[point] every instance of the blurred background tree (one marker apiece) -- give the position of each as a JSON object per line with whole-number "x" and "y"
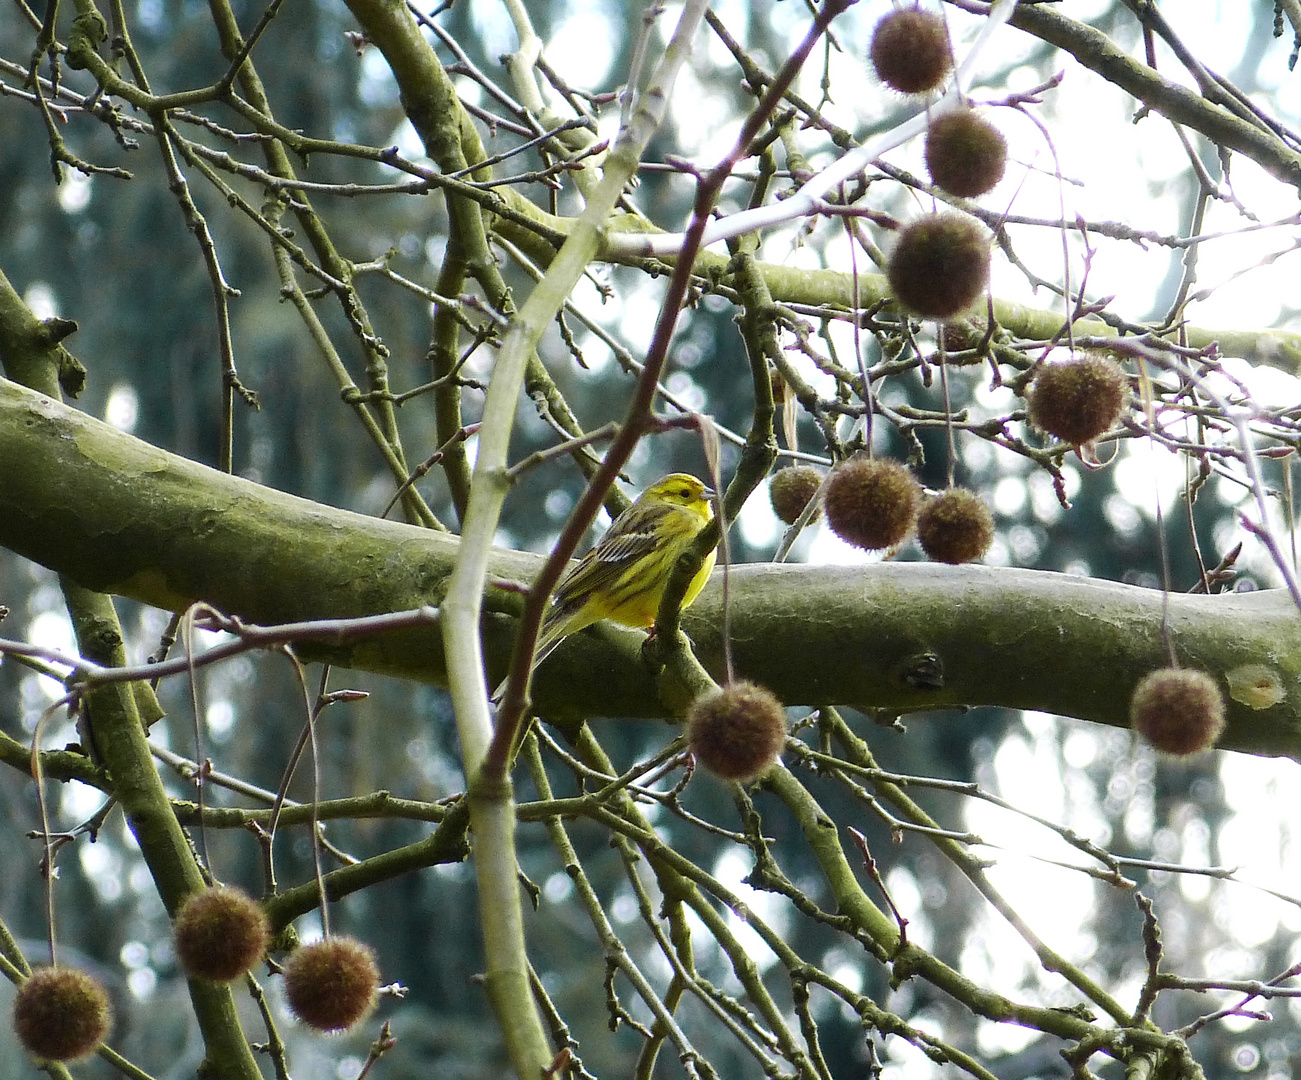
{"x": 1151, "y": 182}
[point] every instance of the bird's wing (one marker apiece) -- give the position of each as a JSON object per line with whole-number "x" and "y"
{"x": 622, "y": 546}
{"x": 633, "y": 535}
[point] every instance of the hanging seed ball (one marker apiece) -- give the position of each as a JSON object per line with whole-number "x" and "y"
{"x": 1178, "y": 711}
{"x": 871, "y": 503}
{"x": 61, "y": 1014}
{"x": 737, "y": 732}
{"x": 939, "y": 265}
{"x": 790, "y": 491}
{"x": 910, "y": 50}
{"x": 220, "y": 934}
{"x": 331, "y": 984}
{"x": 966, "y": 154}
{"x": 1078, "y": 399}
{"x": 955, "y": 527}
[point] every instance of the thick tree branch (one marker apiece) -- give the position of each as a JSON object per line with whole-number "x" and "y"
{"x": 798, "y": 285}
{"x": 1096, "y": 51}
{"x": 115, "y": 719}
{"x": 119, "y": 515}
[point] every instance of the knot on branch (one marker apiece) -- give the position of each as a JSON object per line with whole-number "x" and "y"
{"x": 89, "y": 32}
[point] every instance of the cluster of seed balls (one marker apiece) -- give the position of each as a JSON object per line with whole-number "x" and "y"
{"x": 740, "y": 730}
{"x": 64, "y": 1014}
{"x": 938, "y": 267}
{"x": 940, "y": 262}
{"x": 330, "y": 984}
{"x": 875, "y": 504}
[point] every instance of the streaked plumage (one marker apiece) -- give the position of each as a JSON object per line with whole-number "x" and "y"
{"x": 623, "y": 577}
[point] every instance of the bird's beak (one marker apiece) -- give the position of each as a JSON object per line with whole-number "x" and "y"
{"x": 709, "y": 493}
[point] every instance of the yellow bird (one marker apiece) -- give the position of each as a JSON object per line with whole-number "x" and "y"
{"x": 623, "y": 577}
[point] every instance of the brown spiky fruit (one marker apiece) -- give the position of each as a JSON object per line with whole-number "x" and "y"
{"x": 220, "y": 934}
{"x": 791, "y": 489}
{"x": 331, "y": 984}
{"x": 910, "y": 50}
{"x": 61, "y": 1014}
{"x": 737, "y": 732}
{"x": 871, "y": 503}
{"x": 955, "y": 527}
{"x": 1078, "y": 399}
{"x": 939, "y": 265}
{"x": 1177, "y": 710}
{"x": 965, "y": 154}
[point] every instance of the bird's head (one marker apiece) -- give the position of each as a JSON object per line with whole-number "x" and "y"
{"x": 681, "y": 489}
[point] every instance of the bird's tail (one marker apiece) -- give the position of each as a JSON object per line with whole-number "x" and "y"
{"x": 553, "y": 633}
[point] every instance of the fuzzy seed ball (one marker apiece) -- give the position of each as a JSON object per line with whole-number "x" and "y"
{"x": 966, "y": 155}
{"x": 1178, "y": 711}
{"x": 910, "y": 50}
{"x": 939, "y": 265}
{"x": 871, "y": 503}
{"x": 955, "y": 527}
{"x": 791, "y": 489}
{"x": 737, "y": 732}
{"x": 1079, "y": 399}
{"x": 220, "y": 934}
{"x": 61, "y": 1014}
{"x": 331, "y": 984}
